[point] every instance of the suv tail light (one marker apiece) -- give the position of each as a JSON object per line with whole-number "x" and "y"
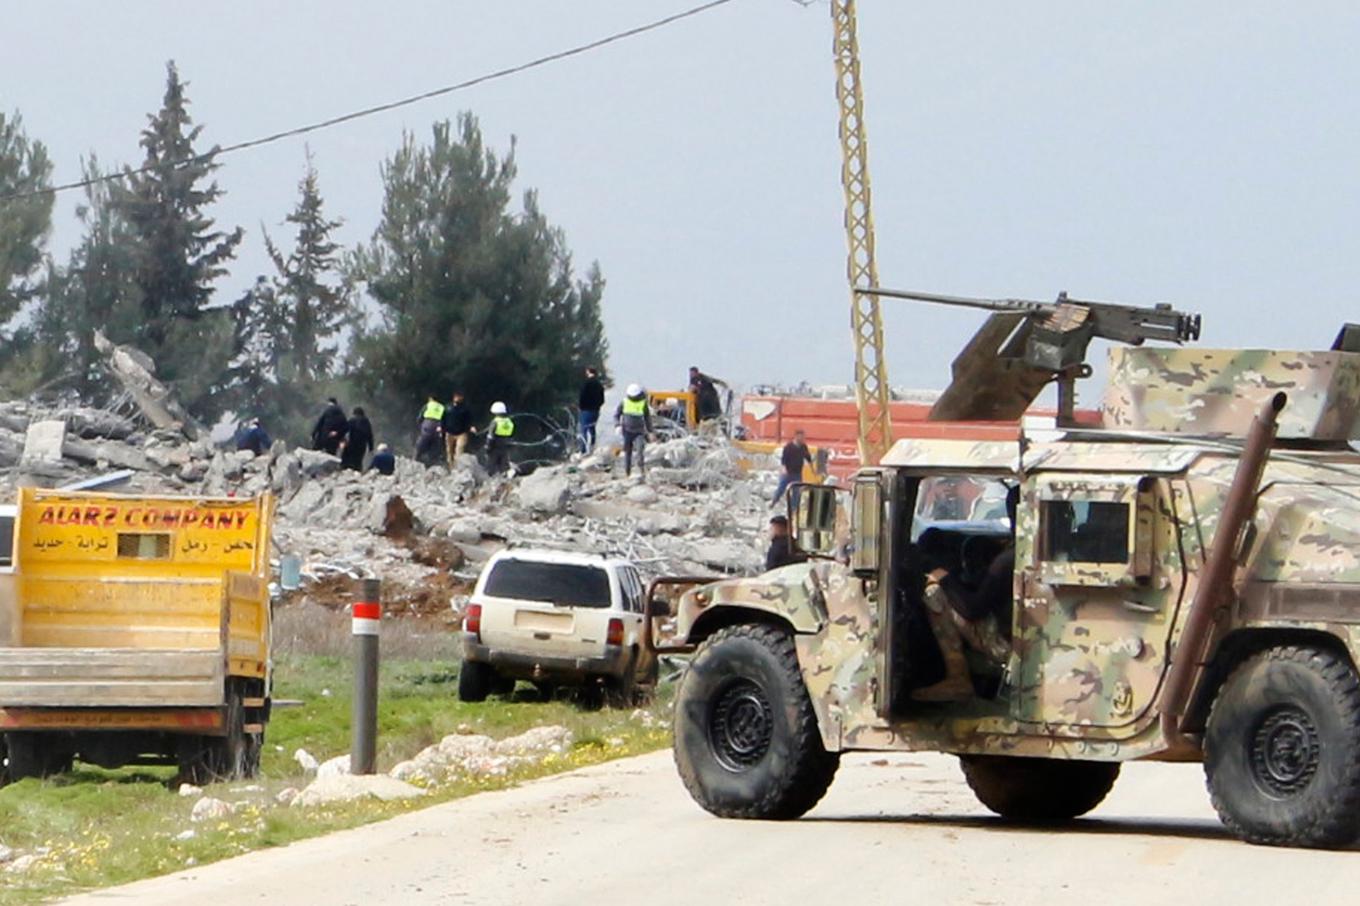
{"x": 472, "y": 621}
{"x": 614, "y": 635}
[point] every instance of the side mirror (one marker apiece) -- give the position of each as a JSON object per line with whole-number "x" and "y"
{"x": 814, "y": 522}
{"x": 866, "y": 520}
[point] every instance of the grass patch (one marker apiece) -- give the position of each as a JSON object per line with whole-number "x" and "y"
{"x": 95, "y": 828}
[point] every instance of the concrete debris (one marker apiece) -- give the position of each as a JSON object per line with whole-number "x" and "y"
{"x": 286, "y": 796}
{"x": 461, "y": 755}
{"x": 6, "y": 854}
{"x": 545, "y": 491}
{"x": 210, "y": 809}
{"x": 88, "y": 423}
{"x": 136, "y": 372}
{"x": 188, "y": 790}
{"x": 642, "y": 494}
{"x": 44, "y": 441}
{"x": 22, "y": 864}
{"x": 334, "y": 767}
{"x": 702, "y": 508}
{"x": 349, "y": 787}
{"x": 306, "y": 760}
{"x": 185, "y": 835}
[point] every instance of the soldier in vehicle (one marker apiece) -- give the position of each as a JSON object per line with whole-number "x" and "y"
{"x": 979, "y": 616}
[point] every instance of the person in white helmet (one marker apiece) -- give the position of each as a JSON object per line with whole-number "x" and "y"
{"x": 498, "y": 437}
{"x": 635, "y": 420}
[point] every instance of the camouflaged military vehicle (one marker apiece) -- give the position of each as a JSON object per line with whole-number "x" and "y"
{"x": 1184, "y": 586}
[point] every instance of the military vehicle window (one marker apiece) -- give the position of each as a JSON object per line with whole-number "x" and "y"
{"x": 1085, "y": 531}
{"x": 960, "y": 503}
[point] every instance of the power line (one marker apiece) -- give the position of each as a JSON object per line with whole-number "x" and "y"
{"x": 383, "y": 108}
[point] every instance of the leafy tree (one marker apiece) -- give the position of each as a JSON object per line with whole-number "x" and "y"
{"x": 178, "y": 254}
{"x": 96, "y": 290}
{"x": 25, "y": 221}
{"x": 292, "y": 323}
{"x": 471, "y": 295}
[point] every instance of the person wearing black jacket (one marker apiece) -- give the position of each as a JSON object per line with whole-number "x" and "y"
{"x": 781, "y": 551}
{"x": 330, "y": 428}
{"x": 358, "y": 441}
{"x": 457, "y": 427}
{"x": 590, "y": 402}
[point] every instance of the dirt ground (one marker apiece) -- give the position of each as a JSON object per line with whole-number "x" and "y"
{"x": 427, "y": 599}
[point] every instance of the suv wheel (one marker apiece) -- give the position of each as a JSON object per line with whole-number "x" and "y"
{"x": 622, "y": 690}
{"x": 746, "y": 737}
{"x": 1038, "y": 789}
{"x": 1282, "y": 749}
{"x": 474, "y": 681}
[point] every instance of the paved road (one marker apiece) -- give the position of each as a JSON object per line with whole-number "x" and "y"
{"x": 895, "y": 829}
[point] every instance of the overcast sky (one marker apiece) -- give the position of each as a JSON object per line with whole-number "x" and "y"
{"x": 1203, "y": 154}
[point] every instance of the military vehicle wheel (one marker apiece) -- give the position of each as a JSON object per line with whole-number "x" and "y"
{"x": 1282, "y": 749}
{"x": 1038, "y": 789}
{"x": 474, "y": 681}
{"x": 746, "y": 737}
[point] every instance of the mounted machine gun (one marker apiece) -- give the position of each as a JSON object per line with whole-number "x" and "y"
{"x": 1025, "y": 345}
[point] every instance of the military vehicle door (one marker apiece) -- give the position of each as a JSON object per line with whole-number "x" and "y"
{"x": 1099, "y": 584}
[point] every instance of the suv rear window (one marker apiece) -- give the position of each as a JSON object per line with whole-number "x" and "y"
{"x": 563, "y": 584}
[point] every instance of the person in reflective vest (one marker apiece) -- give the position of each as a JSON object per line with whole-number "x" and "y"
{"x": 634, "y": 419}
{"x": 498, "y": 439}
{"x": 430, "y": 432}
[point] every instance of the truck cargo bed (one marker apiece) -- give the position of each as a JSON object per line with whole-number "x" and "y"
{"x": 110, "y": 677}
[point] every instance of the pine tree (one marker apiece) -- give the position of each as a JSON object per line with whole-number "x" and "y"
{"x": 472, "y": 295}
{"x": 178, "y": 253}
{"x": 24, "y": 222}
{"x": 292, "y": 322}
{"x": 314, "y": 300}
{"x": 96, "y": 290}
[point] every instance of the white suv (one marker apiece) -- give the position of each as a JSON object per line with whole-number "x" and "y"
{"x": 556, "y": 618}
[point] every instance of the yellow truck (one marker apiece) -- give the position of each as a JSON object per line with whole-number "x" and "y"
{"x": 134, "y": 630}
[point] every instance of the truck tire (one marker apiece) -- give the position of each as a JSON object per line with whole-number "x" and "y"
{"x": 1282, "y": 749}
{"x": 474, "y": 681}
{"x": 746, "y": 738}
{"x": 213, "y": 759}
{"x": 1038, "y": 790}
{"x": 35, "y": 755}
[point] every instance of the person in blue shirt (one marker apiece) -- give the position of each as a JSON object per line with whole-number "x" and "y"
{"x": 254, "y": 438}
{"x": 383, "y": 462}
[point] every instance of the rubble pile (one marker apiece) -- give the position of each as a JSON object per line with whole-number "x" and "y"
{"x": 697, "y": 512}
{"x": 458, "y": 755}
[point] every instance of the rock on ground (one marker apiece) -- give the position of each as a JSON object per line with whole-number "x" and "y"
{"x": 545, "y": 491}
{"x": 334, "y": 767}
{"x": 460, "y": 754}
{"x": 349, "y": 787}
{"x": 22, "y": 864}
{"x": 210, "y": 809}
